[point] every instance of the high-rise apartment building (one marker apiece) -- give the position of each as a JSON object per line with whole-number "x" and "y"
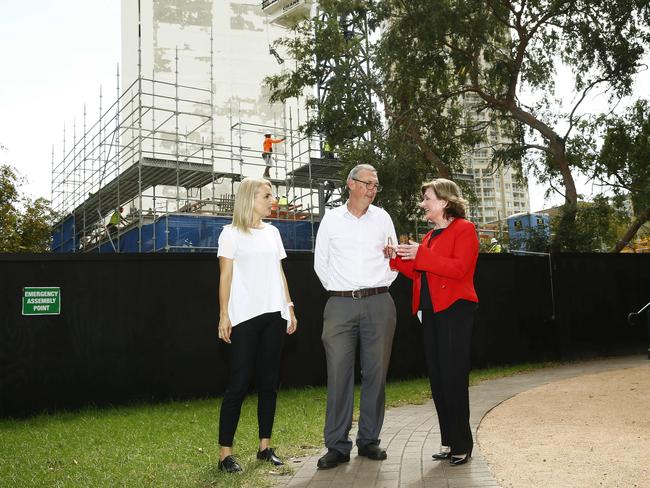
{"x": 500, "y": 191}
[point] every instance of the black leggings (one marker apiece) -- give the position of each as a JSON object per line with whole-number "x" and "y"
{"x": 447, "y": 337}
{"x": 256, "y": 348}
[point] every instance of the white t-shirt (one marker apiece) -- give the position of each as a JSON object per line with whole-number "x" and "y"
{"x": 257, "y": 286}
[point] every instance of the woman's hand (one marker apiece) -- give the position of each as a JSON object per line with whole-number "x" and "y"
{"x": 408, "y": 251}
{"x": 225, "y": 328}
{"x": 293, "y": 322}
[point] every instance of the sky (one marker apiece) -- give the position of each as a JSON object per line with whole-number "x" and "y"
{"x": 55, "y": 57}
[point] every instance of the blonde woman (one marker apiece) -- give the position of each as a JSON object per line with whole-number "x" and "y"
{"x": 256, "y": 312}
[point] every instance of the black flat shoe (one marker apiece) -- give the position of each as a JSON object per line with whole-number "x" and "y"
{"x": 229, "y": 465}
{"x": 332, "y": 459}
{"x": 268, "y": 454}
{"x": 439, "y": 456}
{"x": 372, "y": 451}
{"x": 458, "y": 460}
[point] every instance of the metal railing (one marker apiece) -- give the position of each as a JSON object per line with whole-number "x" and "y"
{"x": 634, "y": 318}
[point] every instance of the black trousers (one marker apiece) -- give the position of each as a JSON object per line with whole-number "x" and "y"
{"x": 447, "y": 338}
{"x": 255, "y": 350}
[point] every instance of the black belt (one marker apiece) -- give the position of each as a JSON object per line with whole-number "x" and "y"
{"x": 362, "y": 293}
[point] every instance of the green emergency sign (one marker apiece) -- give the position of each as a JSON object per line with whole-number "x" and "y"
{"x": 42, "y": 300}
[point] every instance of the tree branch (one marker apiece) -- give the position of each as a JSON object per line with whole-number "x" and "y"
{"x": 584, "y": 95}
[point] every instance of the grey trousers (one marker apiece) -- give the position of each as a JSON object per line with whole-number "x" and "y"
{"x": 346, "y": 322}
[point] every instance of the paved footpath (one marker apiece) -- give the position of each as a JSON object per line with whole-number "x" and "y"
{"x": 410, "y": 435}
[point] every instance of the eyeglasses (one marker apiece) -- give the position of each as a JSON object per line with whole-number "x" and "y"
{"x": 370, "y": 185}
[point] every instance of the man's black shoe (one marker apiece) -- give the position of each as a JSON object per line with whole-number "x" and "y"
{"x": 332, "y": 459}
{"x": 372, "y": 451}
{"x": 229, "y": 465}
{"x": 268, "y": 454}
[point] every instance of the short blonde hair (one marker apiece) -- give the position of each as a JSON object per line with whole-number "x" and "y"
{"x": 450, "y": 192}
{"x": 242, "y": 215}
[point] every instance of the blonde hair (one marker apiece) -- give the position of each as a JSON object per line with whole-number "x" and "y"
{"x": 242, "y": 215}
{"x": 450, "y": 192}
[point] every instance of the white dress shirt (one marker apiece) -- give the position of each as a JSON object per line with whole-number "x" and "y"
{"x": 349, "y": 250}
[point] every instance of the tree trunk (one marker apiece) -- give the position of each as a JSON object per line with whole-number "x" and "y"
{"x": 631, "y": 231}
{"x": 564, "y": 236}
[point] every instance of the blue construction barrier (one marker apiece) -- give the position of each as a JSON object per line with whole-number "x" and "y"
{"x": 63, "y": 235}
{"x": 184, "y": 233}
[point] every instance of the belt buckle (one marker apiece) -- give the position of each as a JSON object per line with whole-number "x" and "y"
{"x": 356, "y": 294}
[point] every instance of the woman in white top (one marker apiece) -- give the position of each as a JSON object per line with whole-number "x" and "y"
{"x": 256, "y": 312}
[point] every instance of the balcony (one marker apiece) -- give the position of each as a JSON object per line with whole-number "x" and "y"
{"x": 287, "y": 13}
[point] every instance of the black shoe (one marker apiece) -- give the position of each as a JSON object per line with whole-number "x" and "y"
{"x": 455, "y": 460}
{"x": 229, "y": 465}
{"x": 268, "y": 454}
{"x": 332, "y": 459}
{"x": 372, "y": 451}
{"x": 439, "y": 456}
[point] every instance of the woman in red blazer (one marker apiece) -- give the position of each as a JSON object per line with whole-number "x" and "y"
{"x": 442, "y": 269}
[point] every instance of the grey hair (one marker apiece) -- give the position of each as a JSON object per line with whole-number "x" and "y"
{"x": 355, "y": 171}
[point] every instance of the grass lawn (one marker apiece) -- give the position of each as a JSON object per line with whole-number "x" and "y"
{"x": 172, "y": 444}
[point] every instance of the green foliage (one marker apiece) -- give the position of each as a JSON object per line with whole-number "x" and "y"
{"x": 615, "y": 151}
{"x": 598, "y": 225}
{"x": 9, "y": 215}
{"x": 25, "y": 224}
{"x": 430, "y": 57}
{"x": 624, "y": 159}
{"x": 535, "y": 240}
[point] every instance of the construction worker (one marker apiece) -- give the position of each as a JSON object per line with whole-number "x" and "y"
{"x": 327, "y": 150}
{"x": 268, "y": 151}
{"x": 115, "y": 220}
{"x": 496, "y": 247}
{"x": 283, "y": 206}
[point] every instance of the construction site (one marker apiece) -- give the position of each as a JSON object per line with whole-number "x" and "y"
{"x": 158, "y": 169}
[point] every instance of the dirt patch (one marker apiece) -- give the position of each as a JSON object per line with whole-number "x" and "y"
{"x": 590, "y": 431}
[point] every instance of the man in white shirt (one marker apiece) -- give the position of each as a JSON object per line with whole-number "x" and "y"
{"x": 350, "y": 263}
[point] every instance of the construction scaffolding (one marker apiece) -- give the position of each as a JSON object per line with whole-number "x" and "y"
{"x": 153, "y": 153}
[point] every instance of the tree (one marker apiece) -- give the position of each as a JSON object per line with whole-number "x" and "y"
{"x": 9, "y": 215}
{"x": 623, "y": 163}
{"x": 430, "y": 54}
{"x": 535, "y": 239}
{"x": 371, "y": 115}
{"x": 598, "y": 224}
{"x": 25, "y": 225}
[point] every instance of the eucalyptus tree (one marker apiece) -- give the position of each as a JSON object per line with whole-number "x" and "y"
{"x": 427, "y": 56}
{"x": 623, "y": 163}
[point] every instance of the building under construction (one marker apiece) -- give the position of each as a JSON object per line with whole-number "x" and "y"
{"x": 158, "y": 169}
{"x": 187, "y": 124}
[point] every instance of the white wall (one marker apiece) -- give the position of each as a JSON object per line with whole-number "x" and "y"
{"x": 241, "y": 61}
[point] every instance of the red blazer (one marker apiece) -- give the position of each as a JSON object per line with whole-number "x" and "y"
{"x": 449, "y": 265}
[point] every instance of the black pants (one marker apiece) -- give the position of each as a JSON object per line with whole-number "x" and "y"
{"x": 447, "y": 337}
{"x": 256, "y": 348}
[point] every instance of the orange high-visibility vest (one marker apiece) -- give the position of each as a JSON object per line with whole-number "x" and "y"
{"x": 268, "y": 143}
